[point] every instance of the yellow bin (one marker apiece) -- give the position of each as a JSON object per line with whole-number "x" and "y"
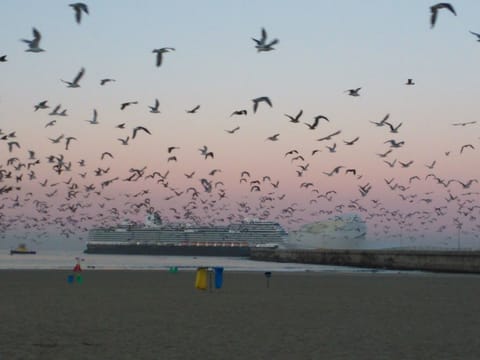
{"x": 201, "y": 282}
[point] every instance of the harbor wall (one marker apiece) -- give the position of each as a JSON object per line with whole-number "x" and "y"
{"x": 424, "y": 260}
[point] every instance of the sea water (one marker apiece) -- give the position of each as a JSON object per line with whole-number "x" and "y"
{"x": 66, "y": 260}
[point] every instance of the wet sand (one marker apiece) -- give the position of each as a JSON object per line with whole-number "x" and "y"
{"x": 160, "y": 315}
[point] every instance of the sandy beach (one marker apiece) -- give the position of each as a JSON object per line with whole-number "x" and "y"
{"x": 160, "y": 315}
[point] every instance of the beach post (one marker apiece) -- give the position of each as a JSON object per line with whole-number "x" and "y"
{"x": 218, "y": 277}
{"x": 268, "y": 275}
{"x": 201, "y": 280}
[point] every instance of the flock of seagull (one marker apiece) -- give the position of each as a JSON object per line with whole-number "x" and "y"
{"x": 70, "y": 198}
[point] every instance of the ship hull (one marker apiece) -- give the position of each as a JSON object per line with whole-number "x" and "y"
{"x": 145, "y": 249}
{"x": 19, "y": 252}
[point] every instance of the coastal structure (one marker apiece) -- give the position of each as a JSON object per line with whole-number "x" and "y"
{"x": 155, "y": 238}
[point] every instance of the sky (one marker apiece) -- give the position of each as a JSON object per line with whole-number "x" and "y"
{"x": 324, "y": 49}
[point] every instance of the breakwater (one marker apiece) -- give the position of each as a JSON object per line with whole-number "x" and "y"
{"x": 424, "y": 260}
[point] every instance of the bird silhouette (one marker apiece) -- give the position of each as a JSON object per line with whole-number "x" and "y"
{"x": 434, "y": 12}
{"x": 79, "y": 9}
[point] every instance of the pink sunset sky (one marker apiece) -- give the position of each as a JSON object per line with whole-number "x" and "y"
{"x": 324, "y": 49}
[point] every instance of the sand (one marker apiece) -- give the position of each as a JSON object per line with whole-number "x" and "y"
{"x": 160, "y": 315}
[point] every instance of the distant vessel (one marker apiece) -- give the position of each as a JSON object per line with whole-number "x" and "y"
{"x": 155, "y": 238}
{"x": 22, "y": 249}
{"x": 347, "y": 231}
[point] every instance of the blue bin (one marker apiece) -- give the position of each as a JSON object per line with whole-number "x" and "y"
{"x": 218, "y": 277}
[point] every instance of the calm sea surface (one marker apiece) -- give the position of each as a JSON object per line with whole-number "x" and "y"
{"x": 53, "y": 259}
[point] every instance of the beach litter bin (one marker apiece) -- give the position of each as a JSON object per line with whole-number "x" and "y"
{"x": 218, "y": 277}
{"x": 268, "y": 275}
{"x": 201, "y": 281}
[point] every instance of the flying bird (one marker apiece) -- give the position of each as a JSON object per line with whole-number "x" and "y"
{"x": 160, "y": 53}
{"x": 273, "y": 137}
{"x": 193, "y": 110}
{"x": 74, "y": 82}
{"x": 410, "y": 82}
{"x": 259, "y": 100}
{"x": 94, "y": 120}
{"x": 233, "y": 130}
{"x": 79, "y": 8}
{"x": 329, "y": 137}
{"x": 239, "y": 112}
{"x": 154, "y": 108}
{"x": 3, "y": 58}
{"x": 104, "y": 81}
{"x": 296, "y": 118}
{"x": 128, "y": 103}
{"x": 351, "y": 142}
{"x": 138, "y": 128}
{"x": 41, "y": 105}
{"x": 316, "y": 120}
{"x": 262, "y": 45}
{"x": 33, "y": 45}
{"x": 353, "y": 92}
{"x": 464, "y": 123}
{"x": 434, "y": 11}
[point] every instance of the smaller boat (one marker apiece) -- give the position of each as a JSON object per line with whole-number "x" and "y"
{"x": 22, "y": 249}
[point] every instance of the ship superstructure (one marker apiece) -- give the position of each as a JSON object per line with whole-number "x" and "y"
{"x": 153, "y": 237}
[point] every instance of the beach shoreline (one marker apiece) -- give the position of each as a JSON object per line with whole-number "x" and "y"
{"x": 152, "y": 314}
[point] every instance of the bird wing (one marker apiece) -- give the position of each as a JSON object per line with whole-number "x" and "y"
{"x": 79, "y": 76}
{"x": 159, "y": 58}
{"x": 433, "y": 18}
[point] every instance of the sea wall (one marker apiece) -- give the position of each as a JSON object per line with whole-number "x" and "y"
{"x": 425, "y": 260}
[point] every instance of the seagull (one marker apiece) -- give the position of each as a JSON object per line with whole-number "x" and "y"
{"x": 258, "y": 100}
{"x": 353, "y": 92}
{"x": 466, "y": 146}
{"x": 316, "y": 120}
{"x": 138, "y": 128}
{"x": 464, "y": 123}
{"x": 128, "y": 103}
{"x": 393, "y": 129}
{"x": 434, "y": 10}
{"x": 233, "y": 130}
{"x": 154, "y": 108}
{"x": 410, "y": 82}
{"x": 296, "y": 118}
{"x": 124, "y": 141}
{"x": 395, "y": 144}
{"x": 329, "y": 137}
{"x": 104, "y": 81}
{"x": 239, "y": 112}
{"x": 33, "y": 45}
{"x": 68, "y": 139}
{"x": 262, "y": 44}
{"x": 352, "y": 141}
{"x": 160, "y": 54}
{"x": 79, "y": 7}
{"x": 194, "y": 110}
{"x": 381, "y": 123}
{"x": 74, "y": 83}
{"x": 51, "y": 123}
{"x": 3, "y": 58}
{"x": 41, "y": 105}
{"x": 273, "y": 137}
{"x": 94, "y": 120}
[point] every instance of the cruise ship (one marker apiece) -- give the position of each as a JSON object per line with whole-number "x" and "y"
{"x": 155, "y": 238}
